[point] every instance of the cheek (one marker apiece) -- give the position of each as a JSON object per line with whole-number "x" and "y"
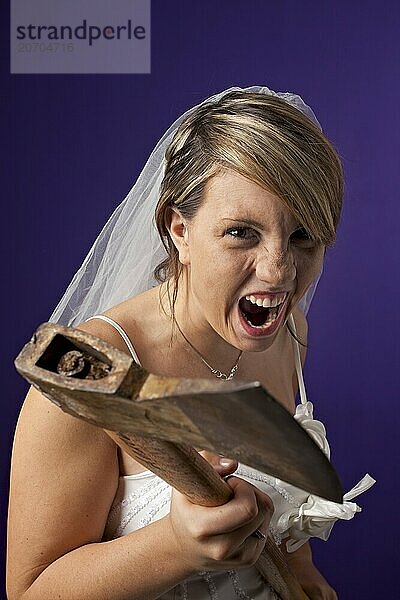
{"x": 220, "y": 272}
{"x": 234, "y": 268}
{"x": 309, "y": 266}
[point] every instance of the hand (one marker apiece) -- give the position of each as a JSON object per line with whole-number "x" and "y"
{"x": 312, "y": 582}
{"x": 220, "y": 538}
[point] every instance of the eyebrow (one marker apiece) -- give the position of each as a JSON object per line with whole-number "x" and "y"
{"x": 244, "y": 222}
{"x": 253, "y": 223}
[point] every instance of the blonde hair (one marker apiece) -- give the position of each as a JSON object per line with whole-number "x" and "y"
{"x": 268, "y": 141}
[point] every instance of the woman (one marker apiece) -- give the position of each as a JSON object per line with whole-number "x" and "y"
{"x": 248, "y": 193}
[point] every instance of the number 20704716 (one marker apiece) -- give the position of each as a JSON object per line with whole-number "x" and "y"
{"x": 43, "y": 47}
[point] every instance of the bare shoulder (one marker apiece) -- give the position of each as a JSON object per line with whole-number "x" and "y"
{"x": 141, "y": 320}
{"x": 107, "y": 332}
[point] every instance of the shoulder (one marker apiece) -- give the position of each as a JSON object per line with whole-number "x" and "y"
{"x": 129, "y": 315}
{"x": 106, "y": 331}
{"x": 140, "y": 319}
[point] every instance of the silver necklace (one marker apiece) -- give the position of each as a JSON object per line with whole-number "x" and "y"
{"x": 215, "y": 372}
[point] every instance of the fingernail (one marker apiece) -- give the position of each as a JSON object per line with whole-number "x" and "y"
{"x": 226, "y": 462}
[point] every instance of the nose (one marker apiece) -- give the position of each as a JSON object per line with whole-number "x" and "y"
{"x": 276, "y": 267}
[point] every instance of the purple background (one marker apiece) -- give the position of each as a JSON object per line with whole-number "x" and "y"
{"x": 74, "y": 145}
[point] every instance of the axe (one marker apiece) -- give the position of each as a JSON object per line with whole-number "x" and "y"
{"x": 160, "y": 421}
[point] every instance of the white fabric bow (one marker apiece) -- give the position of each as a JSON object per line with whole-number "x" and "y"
{"x": 316, "y": 516}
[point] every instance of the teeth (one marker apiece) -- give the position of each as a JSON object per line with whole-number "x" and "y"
{"x": 271, "y": 318}
{"x": 267, "y": 302}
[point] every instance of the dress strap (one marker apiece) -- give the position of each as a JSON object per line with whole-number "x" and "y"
{"x": 122, "y": 333}
{"x": 297, "y": 361}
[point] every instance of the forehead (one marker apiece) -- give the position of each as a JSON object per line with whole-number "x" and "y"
{"x": 231, "y": 195}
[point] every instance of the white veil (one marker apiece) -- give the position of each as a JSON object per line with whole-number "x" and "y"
{"x": 121, "y": 262}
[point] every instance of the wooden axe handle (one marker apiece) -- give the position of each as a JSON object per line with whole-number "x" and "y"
{"x": 187, "y": 471}
{"x": 178, "y": 464}
{"x": 78, "y": 353}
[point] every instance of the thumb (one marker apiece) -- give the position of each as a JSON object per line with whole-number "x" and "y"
{"x": 224, "y": 466}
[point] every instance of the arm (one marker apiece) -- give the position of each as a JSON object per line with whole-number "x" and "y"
{"x": 311, "y": 580}
{"x": 63, "y": 480}
{"x": 64, "y": 477}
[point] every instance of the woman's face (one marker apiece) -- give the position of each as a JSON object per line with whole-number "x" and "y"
{"x": 248, "y": 262}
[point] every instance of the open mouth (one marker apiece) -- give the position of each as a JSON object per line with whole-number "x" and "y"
{"x": 261, "y": 313}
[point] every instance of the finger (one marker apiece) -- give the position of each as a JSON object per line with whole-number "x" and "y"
{"x": 223, "y": 465}
{"x": 267, "y": 508}
{"x": 243, "y": 505}
{"x": 241, "y": 515}
{"x": 245, "y": 534}
{"x": 265, "y": 501}
{"x": 221, "y": 520}
{"x": 262, "y": 514}
{"x": 244, "y": 513}
{"x": 247, "y": 552}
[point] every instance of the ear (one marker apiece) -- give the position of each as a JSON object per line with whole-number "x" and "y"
{"x": 177, "y": 227}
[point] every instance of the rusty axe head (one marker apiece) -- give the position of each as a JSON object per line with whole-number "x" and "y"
{"x": 90, "y": 379}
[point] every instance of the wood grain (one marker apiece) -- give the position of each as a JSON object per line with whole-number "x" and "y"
{"x": 106, "y": 401}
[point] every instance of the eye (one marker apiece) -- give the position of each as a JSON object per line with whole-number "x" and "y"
{"x": 302, "y": 235}
{"x": 242, "y": 233}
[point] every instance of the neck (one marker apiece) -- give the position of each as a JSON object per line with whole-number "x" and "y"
{"x": 194, "y": 334}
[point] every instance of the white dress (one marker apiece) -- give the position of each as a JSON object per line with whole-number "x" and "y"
{"x": 144, "y": 498}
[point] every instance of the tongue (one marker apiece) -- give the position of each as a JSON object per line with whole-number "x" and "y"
{"x": 257, "y": 315}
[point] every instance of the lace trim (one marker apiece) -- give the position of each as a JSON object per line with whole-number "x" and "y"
{"x": 152, "y": 513}
{"x": 144, "y": 489}
{"x": 142, "y": 503}
{"x": 276, "y": 536}
{"x": 235, "y": 581}
{"x": 212, "y": 589}
{"x": 271, "y": 481}
{"x": 237, "y": 588}
{"x": 183, "y": 590}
